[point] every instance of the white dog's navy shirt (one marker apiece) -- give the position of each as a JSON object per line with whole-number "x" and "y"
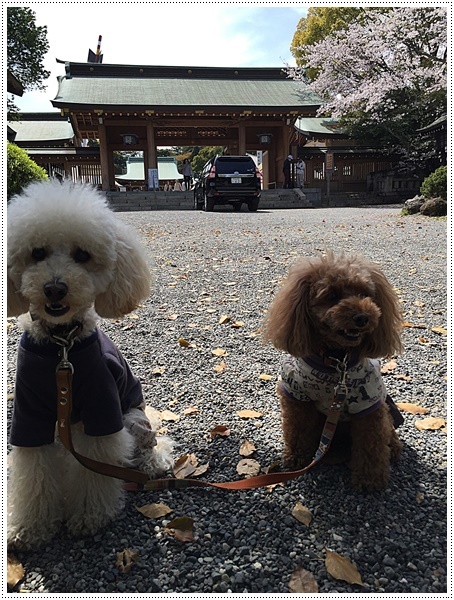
{"x": 104, "y": 388}
{"x": 311, "y": 380}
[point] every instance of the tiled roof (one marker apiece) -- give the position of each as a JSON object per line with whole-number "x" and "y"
{"x": 167, "y": 170}
{"x": 111, "y": 86}
{"x": 318, "y": 125}
{"x": 41, "y": 131}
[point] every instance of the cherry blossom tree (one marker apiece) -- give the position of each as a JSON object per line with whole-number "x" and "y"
{"x": 383, "y": 75}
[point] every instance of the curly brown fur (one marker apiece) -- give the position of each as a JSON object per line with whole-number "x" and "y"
{"x": 337, "y": 303}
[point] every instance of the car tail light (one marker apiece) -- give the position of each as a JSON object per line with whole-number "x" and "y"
{"x": 212, "y": 172}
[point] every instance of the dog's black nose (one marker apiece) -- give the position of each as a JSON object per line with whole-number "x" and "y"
{"x": 361, "y": 319}
{"x": 55, "y": 291}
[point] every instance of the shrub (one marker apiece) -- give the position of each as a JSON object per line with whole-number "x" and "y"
{"x": 22, "y": 170}
{"x": 435, "y": 185}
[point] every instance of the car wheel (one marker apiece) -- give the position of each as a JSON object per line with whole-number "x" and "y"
{"x": 253, "y": 205}
{"x": 237, "y": 206}
{"x": 208, "y": 203}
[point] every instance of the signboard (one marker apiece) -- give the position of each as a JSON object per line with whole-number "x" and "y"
{"x": 329, "y": 161}
{"x": 153, "y": 179}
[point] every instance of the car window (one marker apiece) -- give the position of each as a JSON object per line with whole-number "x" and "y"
{"x": 226, "y": 164}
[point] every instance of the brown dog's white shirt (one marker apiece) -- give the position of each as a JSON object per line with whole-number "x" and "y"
{"x": 309, "y": 380}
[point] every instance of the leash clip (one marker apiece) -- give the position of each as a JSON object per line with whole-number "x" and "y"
{"x": 341, "y": 389}
{"x": 65, "y": 343}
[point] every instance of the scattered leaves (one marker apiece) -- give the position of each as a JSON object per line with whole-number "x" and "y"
{"x": 154, "y": 511}
{"x": 413, "y": 325}
{"x": 220, "y": 430}
{"x": 126, "y": 559}
{"x": 247, "y": 449}
{"x": 414, "y": 409}
{"x": 192, "y": 410}
{"x": 302, "y": 582}
{"x": 181, "y": 528}
{"x": 15, "y": 571}
{"x": 220, "y": 368}
{"x": 248, "y": 467}
{"x": 237, "y": 324}
{"x": 340, "y": 567}
{"x": 431, "y": 423}
{"x": 302, "y": 514}
{"x": 201, "y": 470}
{"x": 249, "y": 414}
{"x": 184, "y": 343}
{"x": 418, "y": 303}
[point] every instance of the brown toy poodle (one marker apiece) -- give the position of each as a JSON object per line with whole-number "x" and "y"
{"x": 330, "y": 309}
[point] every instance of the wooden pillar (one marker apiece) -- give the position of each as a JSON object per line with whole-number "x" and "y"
{"x": 104, "y": 158}
{"x": 151, "y": 160}
{"x": 242, "y": 139}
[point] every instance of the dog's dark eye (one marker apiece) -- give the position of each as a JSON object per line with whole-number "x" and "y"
{"x": 39, "y": 253}
{"x": 81, "y": 256}
{"x": 334, "y": 297}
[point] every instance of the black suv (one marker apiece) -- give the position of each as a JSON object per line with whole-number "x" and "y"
{"x": 228, "y": 180}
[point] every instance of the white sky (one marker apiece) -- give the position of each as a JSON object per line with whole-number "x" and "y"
{"x": 163, "y": 33}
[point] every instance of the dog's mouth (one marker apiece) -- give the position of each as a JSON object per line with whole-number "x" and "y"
{"x": 56, "y": 309}
{"x": 351, "y": 335}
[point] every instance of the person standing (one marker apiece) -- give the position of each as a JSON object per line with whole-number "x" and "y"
{"x": 286, "y": 170}
{"x": 187, "y": 173}
{"x": 300, "y": 173}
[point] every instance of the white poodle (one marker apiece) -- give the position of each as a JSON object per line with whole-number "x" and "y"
{"x": 69, "y": 260}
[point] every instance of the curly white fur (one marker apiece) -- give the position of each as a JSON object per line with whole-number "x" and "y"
{"x": 69, "y": 260}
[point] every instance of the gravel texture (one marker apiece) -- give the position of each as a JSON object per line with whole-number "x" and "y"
{"x": 224, "y": 263}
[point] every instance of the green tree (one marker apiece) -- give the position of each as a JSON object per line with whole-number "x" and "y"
{"x": 26, "y": 47}
{"x": 204, "y": 156}
{"x": 22, "y": 170}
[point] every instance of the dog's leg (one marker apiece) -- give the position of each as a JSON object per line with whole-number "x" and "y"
{"x": 92, "y": 500}
{"x": 373, "y": 441}
{"x": 302, "y": 426}
{"x": 153, "y": 454}
{"x": 35, "y": 495}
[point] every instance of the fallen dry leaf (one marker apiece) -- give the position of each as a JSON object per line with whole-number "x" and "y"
{"x": 168, "y": 415}
{"x": 238, "y": 324}
{"x": 440, "y": 330}
{"x": 154, "y": 511}
{"x": 126, "y": 559}
{"x": 201, "y": 470}
{"x": 414, "y": 409}
{"x": 424, "y": 341}
{"x": 249, "y": 414}
{"x": 340, "y": 567}
{"x": 302, "y": 514}
{"x": 192, "y": 410}
{"x": 220, "y": 430}
{"x": 302, "y": 582}
{"x": 220, "y": 368}
{"x": 248, "y": 467}
{"x": 388, "y": 367}
{"x": 172, "y": 317}
{"x": 431, "y": 423}
{"x": 265, "y": 377}
{"x": 219, "y": 352}
{"x": 224, "y": 320}
{"x": 247, "y": 449}
{"x": 184, "y": 343}
{"x": 181, "y": 528}
{"x": 414, "y": 326}
{"x": 15, "y": 571}
{"x": 158, "y": 371}
{"x": 185, "y": 466}
{"x": 418, "y": 303}
{"x": 275, "y": 466}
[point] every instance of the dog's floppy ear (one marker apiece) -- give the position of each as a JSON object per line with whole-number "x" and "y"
{"x": 132, "y": 279}
{"x": 16, "y": 303}
{"x": 287, "y": 324}
{"x": 385, "y": 340}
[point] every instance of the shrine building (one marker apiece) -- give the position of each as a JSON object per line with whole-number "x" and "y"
{"x": 134, "y": 107}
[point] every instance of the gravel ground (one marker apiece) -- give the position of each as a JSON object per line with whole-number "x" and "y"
{"x": 224, "y": 263}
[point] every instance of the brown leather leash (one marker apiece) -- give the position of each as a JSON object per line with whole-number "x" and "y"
{"x": 138, "y": 480}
